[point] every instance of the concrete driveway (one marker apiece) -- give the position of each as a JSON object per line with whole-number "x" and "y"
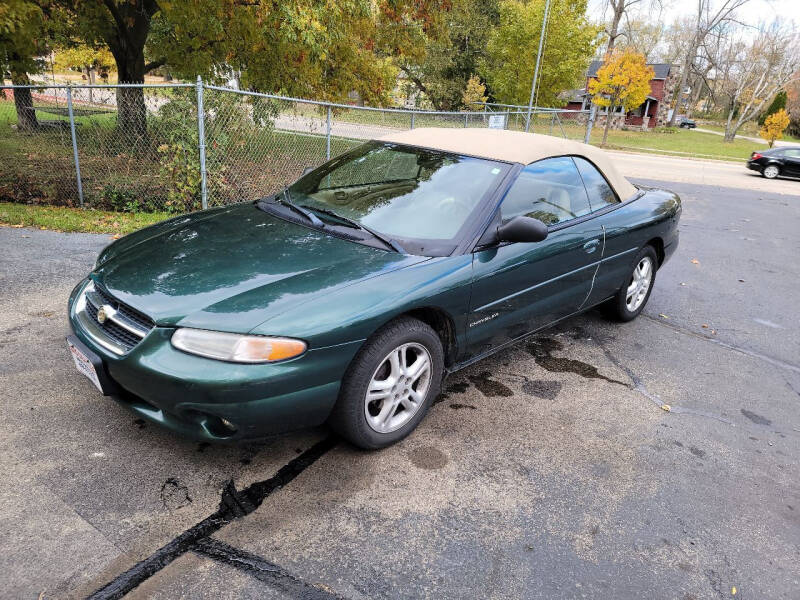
{"x": 659, "y": 458}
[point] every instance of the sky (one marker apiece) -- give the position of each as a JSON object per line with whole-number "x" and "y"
{"x": 753, "y": 12}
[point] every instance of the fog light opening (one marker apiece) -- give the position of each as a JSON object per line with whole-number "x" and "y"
{"x": 214, "y": 425}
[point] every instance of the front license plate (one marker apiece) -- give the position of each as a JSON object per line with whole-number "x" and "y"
{"x": 84, "y": 365}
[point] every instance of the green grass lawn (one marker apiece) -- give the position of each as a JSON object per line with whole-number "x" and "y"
{"x": 679, "y": 142}
{"x": 61, "y": 218}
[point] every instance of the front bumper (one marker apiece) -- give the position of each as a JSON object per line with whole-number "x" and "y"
{"x": 196, "y": 396}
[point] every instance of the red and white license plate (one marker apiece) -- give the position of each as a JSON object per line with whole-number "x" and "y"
{"x": 84, "y": 365}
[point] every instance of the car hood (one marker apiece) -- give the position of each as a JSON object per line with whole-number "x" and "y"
{"x": 231, "y": 269}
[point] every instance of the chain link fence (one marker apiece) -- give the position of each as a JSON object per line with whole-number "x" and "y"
{"x": 181, "y": 147}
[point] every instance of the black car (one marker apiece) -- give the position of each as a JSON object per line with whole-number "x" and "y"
{"x": 776, "y": 161}
{"x": 687, "y": 124}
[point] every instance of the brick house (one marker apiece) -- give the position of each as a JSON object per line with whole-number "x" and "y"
{"x": 654, "y": 112}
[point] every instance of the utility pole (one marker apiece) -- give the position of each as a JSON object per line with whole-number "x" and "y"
{"x": 538, "y": 58}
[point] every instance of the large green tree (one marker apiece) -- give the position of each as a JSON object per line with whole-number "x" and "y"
{"x": 22, "y": 40}
{"x": 324, "y": 49}
{"x": 511, "y": 53}
{"x": 123, "y": 26}
{"x": 449, "y": 52}
{"x": 320, "y": 49}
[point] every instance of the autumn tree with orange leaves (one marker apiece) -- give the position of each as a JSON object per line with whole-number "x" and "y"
{"x": 774, "y": 126}
{"x": 622, "y": 81}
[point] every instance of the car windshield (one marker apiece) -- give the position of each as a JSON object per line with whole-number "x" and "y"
{"x": 402, "y": 192}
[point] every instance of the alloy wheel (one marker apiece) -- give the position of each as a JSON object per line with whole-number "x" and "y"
{"x": 771, "y": 172}
{"x": 398, "y": 388}
{"x": 640, "y": 284}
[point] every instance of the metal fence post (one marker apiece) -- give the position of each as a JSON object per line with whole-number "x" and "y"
{"x": 466, "y": 120}
{"x": 328, "y": 134}
{"x": 201, "y": 137}
{"x": 412, "y": 120}
{"x": 74, "y": 144}
{"x": 590, "y": 123}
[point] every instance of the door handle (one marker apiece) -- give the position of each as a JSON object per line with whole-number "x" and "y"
{"x": 591, "y": 246}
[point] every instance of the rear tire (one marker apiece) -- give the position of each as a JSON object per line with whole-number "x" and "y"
{"x": 388, "y": 388}
{"x": 632, "y": 297}
{"x": 771, "y": 171}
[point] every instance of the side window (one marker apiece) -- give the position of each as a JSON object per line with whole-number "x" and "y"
{"x": 600, "y": 193}
{"x": 550, "y": 190}
{"x": 791, "y": 153}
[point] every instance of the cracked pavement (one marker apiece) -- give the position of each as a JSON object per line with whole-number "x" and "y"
{"x": 548, "y": 470}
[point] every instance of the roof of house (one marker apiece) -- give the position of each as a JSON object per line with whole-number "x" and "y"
{"x": 575, "y": 95}
{"x": 510, "y": 146}
{"x": 661, "y": 69}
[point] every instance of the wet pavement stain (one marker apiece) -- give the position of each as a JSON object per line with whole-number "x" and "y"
{"x": 489, "y": 387}
{"x": 174, "y": 494}
{"x": 458, "y": 387}
{"x": 541, "y": 388}
{"x": 697, "y": 452}
{"x": 428, "y": 458}
{"x": 542, "y": 351}
{"x": 457, "y": 406}
{"x": 140, "y": 423}
{"x": 756, "y": 418}
{"x": 202, "y": 446}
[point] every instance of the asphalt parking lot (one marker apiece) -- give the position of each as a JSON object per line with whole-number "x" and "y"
{"x": 659, "y": 458}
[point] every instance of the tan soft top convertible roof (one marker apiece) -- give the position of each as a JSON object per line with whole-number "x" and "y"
{"x": 511, "y": 146}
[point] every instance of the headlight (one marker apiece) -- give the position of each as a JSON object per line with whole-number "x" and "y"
{"x": 232, "y": 347}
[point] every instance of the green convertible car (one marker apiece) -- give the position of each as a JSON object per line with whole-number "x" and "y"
{"x": 348, "y": 297}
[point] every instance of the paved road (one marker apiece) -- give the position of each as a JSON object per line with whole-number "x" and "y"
{"x": 549, "y": 470}
{"x": 716, "y": 173}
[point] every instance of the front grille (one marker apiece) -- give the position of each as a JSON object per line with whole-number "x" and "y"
{"x": 123, "y": 327}
{"x": 114, "y": 331}
{"x": 134, "y": 315}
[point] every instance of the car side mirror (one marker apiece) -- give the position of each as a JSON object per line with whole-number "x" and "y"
{"x": 522, "y": 229}
{"x": 306, "y": 171}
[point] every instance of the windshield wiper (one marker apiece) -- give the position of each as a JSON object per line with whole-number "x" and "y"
{"x": 353, "y": 223}
{"x": 315, "y": 220}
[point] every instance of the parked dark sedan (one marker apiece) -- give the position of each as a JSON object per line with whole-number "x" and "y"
{"x": 776, "y": 161}
{"x": 687, "y": 124}
{"x": 350, "y": 295}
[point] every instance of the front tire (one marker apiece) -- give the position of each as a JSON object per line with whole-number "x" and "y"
{"x": 390, "y": 384}
{"x": 632, "y": 297}
{"x": 771, "y": 171}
